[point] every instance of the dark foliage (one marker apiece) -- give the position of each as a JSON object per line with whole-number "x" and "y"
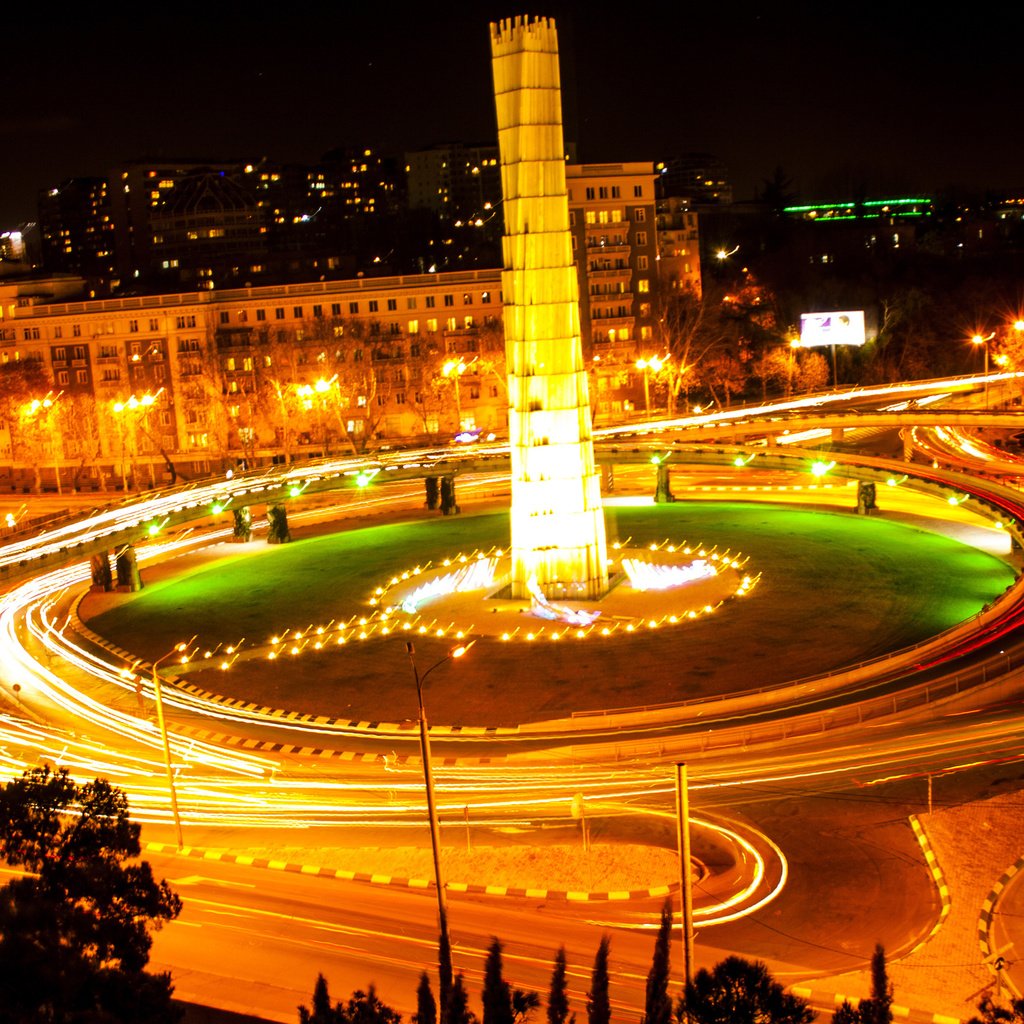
{"x": 426, "y": 1006}
{"x": 738, "y": 991}
{"x": 599, "y": 1010}
{"x": 502, "y": 1004}
{"x": 361, "y": 1008}
{"x": 558, "y": 996}
{"x": 458, "y": 1003}
{"x": 991, "y": 1013}
{"x": 74, "y": 936}
{"x": 657, "y": 1004}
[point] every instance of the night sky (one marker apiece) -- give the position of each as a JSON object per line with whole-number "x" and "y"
{"x": 888, "y": 99}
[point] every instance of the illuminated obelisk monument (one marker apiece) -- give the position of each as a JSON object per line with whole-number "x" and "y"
{"x": 558, "y": 537}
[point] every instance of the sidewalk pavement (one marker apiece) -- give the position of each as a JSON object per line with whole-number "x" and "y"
{"x": 953, "y": 968}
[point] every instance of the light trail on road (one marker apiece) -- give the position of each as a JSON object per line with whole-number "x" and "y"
{"x": 87, "y": 715}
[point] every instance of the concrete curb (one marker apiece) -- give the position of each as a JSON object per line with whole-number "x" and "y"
{"x": 985, "y": 920}
{"x": 939, "y": 878}
{"x": 568, "y": 895}
{"x": 837, "y": 999}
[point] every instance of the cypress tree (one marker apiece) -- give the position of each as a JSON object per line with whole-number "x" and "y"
{"x": 444, "y": 980}
{"x": 426, "y": 1008}
{"x": 558, "y": 998}
{"x": 497, "y": 998}
{"x": 322, "y": 1011}
{"x": 657, "y": 1005}
{"x": 458, "y": 1003}
{"x": 878, "y": 1009}
{"x": 599, "y": 1009}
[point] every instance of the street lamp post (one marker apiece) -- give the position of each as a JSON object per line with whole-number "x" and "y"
{"x": 132, "y": 407}
{"x": 983, "y": 341}
{"x": 454, "y": 369}
{"x": 794, "y": 344}
{"x": 45, "y": 407}
{"x": 162, "y": 724}
{"x": 435, "y": 831}
{"x": 655, "y": 364}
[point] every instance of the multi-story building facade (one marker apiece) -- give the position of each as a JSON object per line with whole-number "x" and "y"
{"x": 699, "y": 178}
{"x": 612, "y": 216}
{"x": 678, "y": 245}
{"x": 455, "y": 181}
{"x": 203, "y": 379}
{"x": 138, "y": 192}
{"x": 77, "y": 231}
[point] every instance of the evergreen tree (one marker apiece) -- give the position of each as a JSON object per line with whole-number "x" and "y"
{"x": 846, "y": 1013}
{"x": 322, "y": 1012}
{"x": 990, "y": 1013}
{"x": 657, "y": 1004}
{"x": 878, "y": 1009}
{"x": 444, "y": 979}
{"x": 599, "y": 1010}
{"x": 497, "y": 998}
{"x": 366, "y": 1008}
{"x": 361, "y": 1008}
{"x": 558, "y": 997}
{"x": 426, "y": 1007}
{"x": 74, "y": 929}
{"x": 502, "y": 1004}
{"x": 739, "y": 991}
{"x": 458, "y": 1003}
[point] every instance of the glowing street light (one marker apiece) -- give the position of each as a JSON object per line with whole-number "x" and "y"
{"x": 435, "y": 831}
{"x": 42, "y": 406}
{"x": 182, "y": 651}
{"x": 648, "y": 364}
{"x": 794, "y": 344}
{"x": 140, "y": 406}
{"x": 317, "y": 390}
{"x": 983, "y": 341}
{"x": 453, "y": 370}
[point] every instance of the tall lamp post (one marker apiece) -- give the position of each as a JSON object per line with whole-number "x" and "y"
{"x": 44, "y": 407}
{"x": 453, "y": 370}
{"x": 445, "y": 981}
{"x": 655, "y": 364}
{"x": 794, "y": 344}
{"x": 162, "y": 724}
{"x": 983, "y": 341}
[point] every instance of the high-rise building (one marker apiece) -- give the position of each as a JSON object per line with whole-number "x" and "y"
{"x": 77, "y": 231}
{"x": 455, "y": 181}
{"x": 139, "y": 191}
{"x": 699, "y": 177}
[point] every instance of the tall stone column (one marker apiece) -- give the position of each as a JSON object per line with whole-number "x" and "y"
{"x": 558, "y": 535}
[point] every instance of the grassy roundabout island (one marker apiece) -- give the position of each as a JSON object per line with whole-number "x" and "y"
{"x": 835, "y": 589}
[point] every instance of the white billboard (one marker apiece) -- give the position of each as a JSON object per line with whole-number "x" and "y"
{"x": 843, "y": 328}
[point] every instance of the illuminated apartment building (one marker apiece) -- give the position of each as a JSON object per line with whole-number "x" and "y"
{"x": 139, "y": 191}
{"x": 77, "y": 231}
{"x": 263, "y": 373}
{"x": 612, "y": 216}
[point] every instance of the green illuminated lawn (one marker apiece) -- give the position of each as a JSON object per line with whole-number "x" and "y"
{"x": 836, "y": 589}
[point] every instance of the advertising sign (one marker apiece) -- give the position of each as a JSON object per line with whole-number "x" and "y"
{"x": 843, "y": 328}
